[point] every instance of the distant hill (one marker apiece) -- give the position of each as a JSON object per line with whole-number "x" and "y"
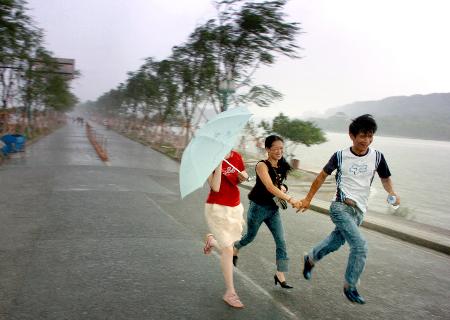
{"x": 417, "y": 116}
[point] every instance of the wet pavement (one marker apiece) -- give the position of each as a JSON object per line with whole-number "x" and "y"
{"x": 83, "y": 239}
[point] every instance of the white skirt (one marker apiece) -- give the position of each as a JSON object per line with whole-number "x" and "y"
{"x": 225, "y": 223}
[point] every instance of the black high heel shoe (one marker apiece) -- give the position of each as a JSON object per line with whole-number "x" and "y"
{"x": 282, "y": 284}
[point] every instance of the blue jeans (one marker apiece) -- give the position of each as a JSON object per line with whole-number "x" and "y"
{"x": 258, "y": 214}
{"x": 347, "y": 220}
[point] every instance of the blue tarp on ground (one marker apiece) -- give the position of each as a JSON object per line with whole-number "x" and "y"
{"x": 13, "y": 143}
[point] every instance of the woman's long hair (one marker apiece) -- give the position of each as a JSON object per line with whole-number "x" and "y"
{"x": 283, "y": 166}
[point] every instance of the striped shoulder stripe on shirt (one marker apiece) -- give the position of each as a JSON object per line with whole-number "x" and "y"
{"x": 377, "y": 158}
{"x": 341, "y": 195}
{"x": 377, "y": 162}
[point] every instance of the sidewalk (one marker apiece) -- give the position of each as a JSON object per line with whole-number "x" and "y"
{"x": 413, "y": 232}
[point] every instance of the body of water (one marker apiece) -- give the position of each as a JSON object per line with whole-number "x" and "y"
{"x": 420, "y": 172}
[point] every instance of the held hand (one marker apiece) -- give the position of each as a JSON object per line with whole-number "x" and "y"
{"x": 304, "y": 205}
{"x": 397, "y": 202}
{"x": 297, "y": 205}
{"x": 243, "y": 176}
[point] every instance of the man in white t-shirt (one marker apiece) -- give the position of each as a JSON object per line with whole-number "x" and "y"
{"x": 356, "y": 167}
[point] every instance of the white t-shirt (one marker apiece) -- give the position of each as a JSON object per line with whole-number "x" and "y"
{"x": 355, "y": 174}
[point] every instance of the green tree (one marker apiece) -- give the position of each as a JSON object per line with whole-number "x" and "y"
{"x": 44, "y": 87}
{"x": 161, "y": 92}
{"x": 251, "y": 34}
{"x": 191, "y": 82}
{"x": 57, "y": 95}
{"x": 19, "y": 38}
{"x": 134, "y": 91}
{"x": 244, "y": 36}
{"x": 111, "y": 103}
{"x": 28, "y": 72}
{"x": 296, "y": 131}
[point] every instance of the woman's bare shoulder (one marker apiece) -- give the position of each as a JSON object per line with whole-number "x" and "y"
{"x": 262, "y": 165}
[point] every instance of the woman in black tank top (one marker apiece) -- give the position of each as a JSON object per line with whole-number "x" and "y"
{"x": 270, "y": 174}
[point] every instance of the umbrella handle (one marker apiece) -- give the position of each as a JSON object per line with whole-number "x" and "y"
{"x": 232, "y": 166}
{"x": 248, "y": 179}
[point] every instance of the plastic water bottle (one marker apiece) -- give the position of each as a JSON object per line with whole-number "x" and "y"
{"x": 392, "y": 200}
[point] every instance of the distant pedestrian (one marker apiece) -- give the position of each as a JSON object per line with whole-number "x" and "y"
{"x": 356, "y": 167}
{"x": 224, "y": 215}
{"x": 270, "y": 175}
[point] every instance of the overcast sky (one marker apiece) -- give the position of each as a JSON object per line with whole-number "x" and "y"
{"x": 353, "y": 50}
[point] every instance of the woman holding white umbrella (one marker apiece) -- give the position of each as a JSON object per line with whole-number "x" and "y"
{"x": 224, "y": 215}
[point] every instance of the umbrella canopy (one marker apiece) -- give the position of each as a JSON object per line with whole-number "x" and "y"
{"x": 208, "y": 147}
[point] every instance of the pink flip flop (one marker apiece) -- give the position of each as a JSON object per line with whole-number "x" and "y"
{"x": 208, "y": 243}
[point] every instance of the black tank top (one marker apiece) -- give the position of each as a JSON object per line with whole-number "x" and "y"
{"x": 259, "y": 194}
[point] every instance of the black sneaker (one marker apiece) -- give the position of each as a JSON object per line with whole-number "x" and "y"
{"x": 235, "y": 259}
{"x": 353, "y": 295}
{"x": 307, "y": 268}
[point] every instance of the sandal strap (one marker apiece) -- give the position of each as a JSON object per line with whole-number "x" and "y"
{"x": 208, "y": 246}
{"x": 233, "y": 297}
{"x": 233, "y": 300}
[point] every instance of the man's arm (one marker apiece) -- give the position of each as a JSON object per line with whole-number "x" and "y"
{"x": 385, "y": 176}
{"x": 388, "y": 186}
{"x": 315, "y": 186}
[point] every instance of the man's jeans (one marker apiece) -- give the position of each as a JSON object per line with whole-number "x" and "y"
{"x": 258, "y": 214}
{"x": 347, "y": 220}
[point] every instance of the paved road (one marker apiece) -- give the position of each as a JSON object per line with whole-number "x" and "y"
{"x": 83, "y": 240}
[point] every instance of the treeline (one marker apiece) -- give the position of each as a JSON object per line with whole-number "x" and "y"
{"x": 219, "y": 58}
{"x": 29, "y": 73}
